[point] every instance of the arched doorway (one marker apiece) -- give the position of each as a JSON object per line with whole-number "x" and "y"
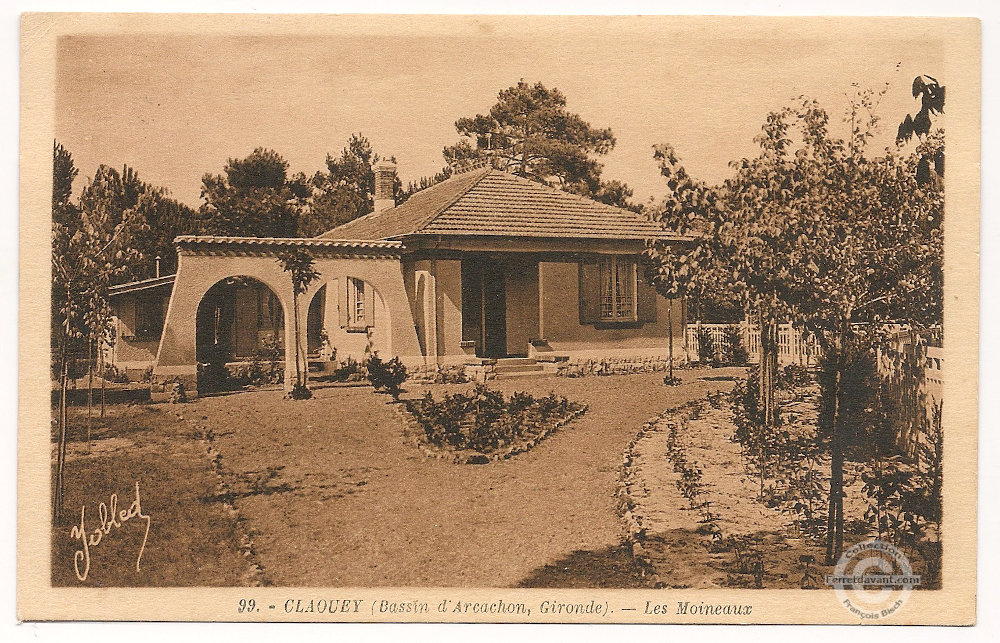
{"x": 315, "y": 323}
{"x": 238, "y": 318}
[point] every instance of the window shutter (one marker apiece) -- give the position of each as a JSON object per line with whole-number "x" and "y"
{"x": 342, "y": 302}
{"x": 590, "y": 291}
{"x": 369, "y": 305}
{"x": 645, "y": 299}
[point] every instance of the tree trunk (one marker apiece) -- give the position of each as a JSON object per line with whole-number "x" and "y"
{"x": 58, "y": 496}
{"x": 670, "y": 338}
{"x": 295, "y": 311}
{"x": 767, "y": 366}
{"x": 90, "y": 389}
{"x": 835, "y": 517}
{"x": 104, "y": 375}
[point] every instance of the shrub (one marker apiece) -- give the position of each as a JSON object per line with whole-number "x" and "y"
{"x": 299, "y": 392}
{"x": 484, "y": 420}
{"x": 793, "y": 376}
{"x": 388, "y": 376}
{"x": 736, "y": 352}
{"x": 213, "y": 375}
{"x": 706, "y": 346}
{"x": 115, "y": 375}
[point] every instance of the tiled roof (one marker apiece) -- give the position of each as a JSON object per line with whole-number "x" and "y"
{"x": 145, "y": 284}
{"x": 489, "y": 202}
{"x": 318, "y": 242}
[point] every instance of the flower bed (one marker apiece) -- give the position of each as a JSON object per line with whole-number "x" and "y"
{"x": 623, "y": 366}
{"x": 484, "y": 425}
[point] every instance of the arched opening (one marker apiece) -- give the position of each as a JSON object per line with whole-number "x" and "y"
{"x": 314, "y": 323}
{"x": 239, "y": 318}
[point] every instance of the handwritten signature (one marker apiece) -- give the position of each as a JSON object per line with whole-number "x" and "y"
{"x": 111, "y": 518}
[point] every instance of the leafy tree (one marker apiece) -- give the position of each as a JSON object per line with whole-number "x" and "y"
{"x": 930, "y": 168}
{"x": 157, "y": 218}
{"x": 299, "y": 265}
{"x": 255, "y": 197}
{"x": 163, "y": 219}
{"x": 91, "y": 248}
{"x": 816, "y": 230}
{"x": 345, "y": 191}
{"x": 530, "y": 132}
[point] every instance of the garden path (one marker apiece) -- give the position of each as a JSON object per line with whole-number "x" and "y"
{"x": 333, "y": 496}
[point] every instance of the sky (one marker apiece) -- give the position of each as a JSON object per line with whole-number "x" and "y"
{"x": 177, "y": 105}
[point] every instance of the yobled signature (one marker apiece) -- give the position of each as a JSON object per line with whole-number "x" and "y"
{"x": 111, "y": 518}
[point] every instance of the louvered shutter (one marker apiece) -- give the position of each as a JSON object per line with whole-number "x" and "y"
{"x": 645, "y": 299}
{"x": 369, "y": 305}
{"x": 590, "y": 291}
{"x": 342, "y": 302}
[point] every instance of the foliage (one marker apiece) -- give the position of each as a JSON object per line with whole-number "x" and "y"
{"x": 156, "y": 218}
{"x": 707, "y": 351}
{"x": 689, "y": 482}
{"x": 346, "y": 190}
{"x": 263, "y": 367}
{"x": 530, "y": 132}
{"x": 734, "y": 350}
{"x": 115, "y": 375}
{"x": 625, "y": 366}
{"x": 299, "y": 392}
{"x": 299, "y": 265}
{"x": 794, "y": 376}
{"x": 484, "y": 420}
{"x": 254, "y": 197}
{"x": 388, "y": 376}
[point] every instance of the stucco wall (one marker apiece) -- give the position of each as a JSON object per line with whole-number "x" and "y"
{"x": 560, "y": 310}
{"x": 129, "y": 352}
{"x": 196, "y": 273}
{"x": 434, "y": 288}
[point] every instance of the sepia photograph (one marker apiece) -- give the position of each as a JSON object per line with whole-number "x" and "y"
{"x": 507, "y": 311}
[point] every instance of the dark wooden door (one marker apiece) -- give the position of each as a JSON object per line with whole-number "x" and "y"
{"x": 494, "y": 311}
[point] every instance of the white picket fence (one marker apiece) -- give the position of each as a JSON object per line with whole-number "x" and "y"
{"x": 793, "y": 348}
{"x": 912, "y": 370}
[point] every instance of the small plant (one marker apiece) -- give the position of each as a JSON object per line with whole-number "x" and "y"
{"x": 388, "y": 376}
{"x": 735, "y": 351}
{"x": 706, "y": 346}
{"x": 115, "y": 375}
{"x": 299, "y": 392}
{"x": 177, "y": 393}
{"x": 794, "y": 376}
{"x": 484, "y": 420}
{"x": 671, "y": 381}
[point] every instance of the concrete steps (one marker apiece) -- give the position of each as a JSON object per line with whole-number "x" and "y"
{"x": 511, "y": 367}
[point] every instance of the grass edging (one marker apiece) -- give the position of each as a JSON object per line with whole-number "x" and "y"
{"x": 254, "y": 576}
{"x": 633, "y": 523}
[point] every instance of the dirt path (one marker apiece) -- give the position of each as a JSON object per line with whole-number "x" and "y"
{"x": 333, "y": 495}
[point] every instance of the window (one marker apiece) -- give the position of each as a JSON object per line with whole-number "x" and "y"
{"x": 148, "y": 317}
{"x": 356, "y": 313}
{"x": 618, "y": 276}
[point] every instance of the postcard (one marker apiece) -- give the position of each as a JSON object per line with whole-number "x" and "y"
{"x": 546, "y": 319}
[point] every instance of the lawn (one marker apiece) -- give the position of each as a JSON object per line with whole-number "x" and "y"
{"x": 333, "y": 495}
{"x": 192, "y": 540}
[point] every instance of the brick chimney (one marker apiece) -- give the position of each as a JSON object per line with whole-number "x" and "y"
{"x": 385, "y": 180}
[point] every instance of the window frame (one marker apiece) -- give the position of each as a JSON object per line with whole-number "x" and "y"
{"x": 149, "y": 317}
{"x": 357, "y": 315}
{"x": 614, "y": 305}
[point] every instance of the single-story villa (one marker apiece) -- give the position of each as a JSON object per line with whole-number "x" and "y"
{"x": 483, "y": 266}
